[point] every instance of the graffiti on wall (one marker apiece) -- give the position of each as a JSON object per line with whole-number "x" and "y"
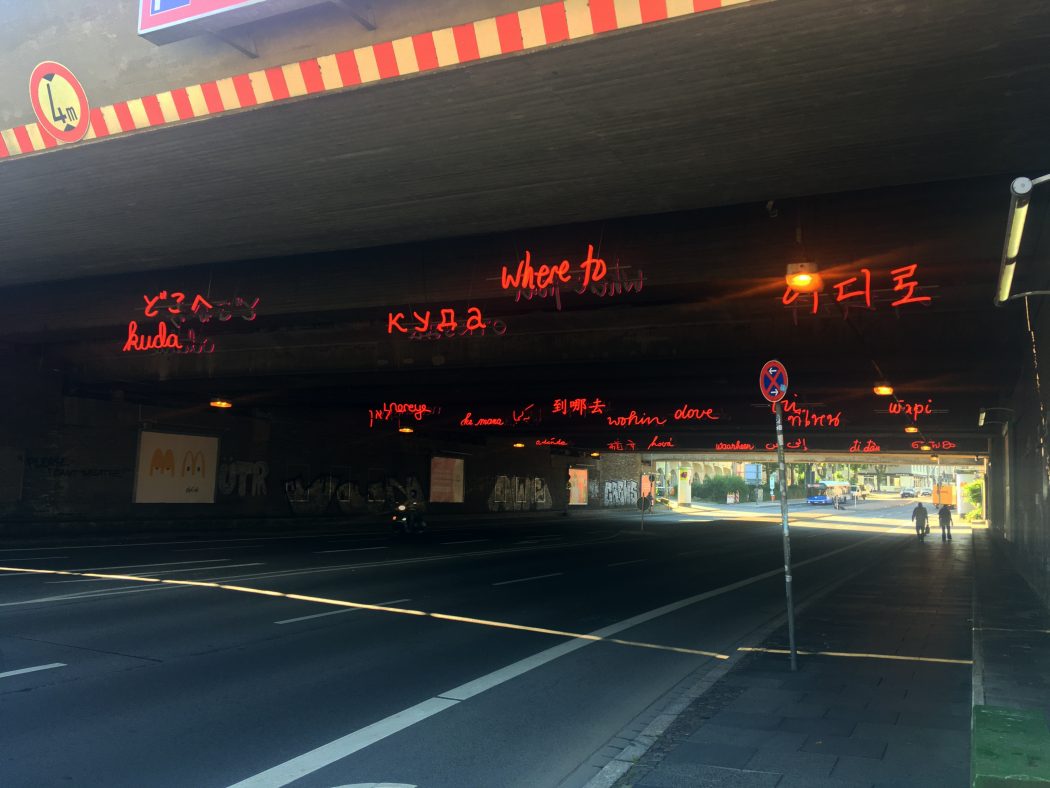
{"x": 316, "y": 498}
{"x": 243, "y": 478}
{"x": 621, "y": 492}
{"x": 519, "y": 493}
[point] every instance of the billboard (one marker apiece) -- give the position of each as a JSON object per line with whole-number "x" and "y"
{"x": 577, "y": 486}
{"x": 446, "y": 480}
{"x": 176, "y": 468}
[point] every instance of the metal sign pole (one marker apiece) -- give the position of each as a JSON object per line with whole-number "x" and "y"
{"x": 782, "y": 482}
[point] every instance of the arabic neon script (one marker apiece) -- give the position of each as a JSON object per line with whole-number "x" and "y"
{"x": 913, "y": 409}
{"x": 162, "y": 340}
{"x": 795, "y": 445}
{"x": 868, "y": 447}
{"x": 390, "y": 410}
{"x": 937, "y": 445}
{"x": 552, "y": 442}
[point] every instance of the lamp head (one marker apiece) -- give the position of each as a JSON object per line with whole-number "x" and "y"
{"x": 803, "y": 278}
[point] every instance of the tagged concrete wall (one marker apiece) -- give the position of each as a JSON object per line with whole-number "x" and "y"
{"x": 99, "y": 42}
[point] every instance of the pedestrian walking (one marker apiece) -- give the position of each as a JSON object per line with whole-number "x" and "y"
{"x": 922, "y": 521}
{"x": 945, "y": 516}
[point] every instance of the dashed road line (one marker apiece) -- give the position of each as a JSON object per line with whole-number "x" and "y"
{"x": 353, "y": 549}
{"x": 337, "y": 612}
{"x": 33, "y": 669}
{"x": 528, "y": 579}
{"x": 626, "y": 563}
{"x": 467, "y": 541}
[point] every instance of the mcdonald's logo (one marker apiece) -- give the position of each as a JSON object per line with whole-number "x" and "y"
{"x": 162, "y": 462}
{"x": 193, "y": 464}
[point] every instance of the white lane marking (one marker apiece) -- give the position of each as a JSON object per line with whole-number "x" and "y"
{"x": 310, "y": 762}
{"x": 227, "y": 547}
{"x": 32, "y": 669}
{"x": 155, "y": 574}
{"x": 353, "y": 550}
{"x": 44, "y": 558}
{"x": 162, "y": 563}
{"x": 625, "y": 563}
{"x": 138, "y": 589}
{"x": 327, "y": 754}
{"x": 528, "y": 579}
{"x": 338, "y": 612}
{"x": 325, "y": 535}
{"x": 468, "y": 541}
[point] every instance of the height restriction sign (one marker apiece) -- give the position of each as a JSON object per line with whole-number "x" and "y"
{"x": 773, "y": 381}
{"x": 59, "y": 102}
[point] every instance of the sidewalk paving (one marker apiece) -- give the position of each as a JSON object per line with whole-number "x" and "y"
{"x": 843, "y": 721}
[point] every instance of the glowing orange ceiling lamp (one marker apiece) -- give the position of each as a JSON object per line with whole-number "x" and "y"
{"x": 405, "y": 429}
{"x": 926, "y": 447}
{"x": 596, "y": 454}
{"x": 803, "y": 277}
{"x": 911, "y": 428}
{"x": 519, "y": 445}
{"x": 883, "y": 389}
{"x": 221, "y": 403}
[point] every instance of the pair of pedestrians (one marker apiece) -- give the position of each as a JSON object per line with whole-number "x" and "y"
{"x": 922, "y": 521}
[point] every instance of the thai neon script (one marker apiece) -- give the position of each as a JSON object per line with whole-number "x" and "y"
{"x": 937, "y": 445}
{"x": 803, "y": 417}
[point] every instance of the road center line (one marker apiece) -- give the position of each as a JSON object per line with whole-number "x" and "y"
{"x": 353, "y": 549}
{"x": 336, "y": 750}
{"x": 154, "y": 574}
{"x": 527, "y": 579}
{"x": 337, "y": 612}
{"x": 32, "y": 669}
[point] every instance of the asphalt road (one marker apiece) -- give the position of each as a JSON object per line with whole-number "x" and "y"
{"x": 153, "y": 684}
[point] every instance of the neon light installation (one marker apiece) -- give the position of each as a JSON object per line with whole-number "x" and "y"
{"x": 937, "y": 445}
{"x": 162, "y": 340}
{"x": 580, "y": 406}
{"x": 869, "y": 447}
{"x": 526, "y": 415}
{"x": 656, "y": 443}
{"x": 552, "y": 442}
{"x": 470, "y": 421}
{"x": 913, "y": 409}
{"x": 474, "y": 322}
{"x": 495, "y": 328}
{"x": 735, "y": 446}
{"x": 633, "y": 419}
{"x": 803, "y": 417}
{"x": 686, "y": 413}
{"x": 618, "y": 445}
{"x": 529, "y": 278}
{"x": 391, "y": 410}
{"x": 795, "y": 445}
{"x": 903, "y": 282}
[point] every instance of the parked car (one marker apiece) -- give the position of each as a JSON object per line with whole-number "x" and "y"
{"x": 907, "y": 492}
{"x": 925, "y": 491}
